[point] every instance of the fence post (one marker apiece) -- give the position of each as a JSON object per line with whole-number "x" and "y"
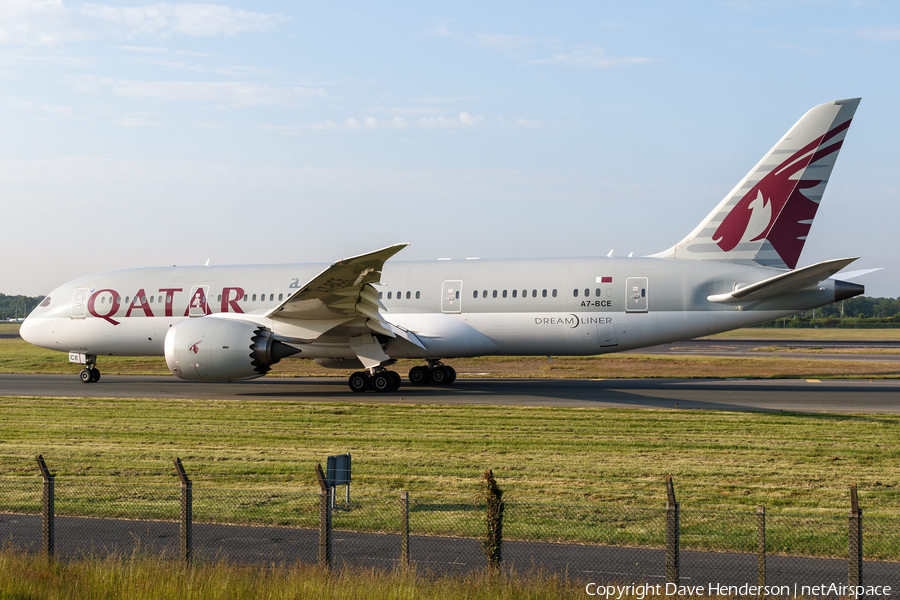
{"x": 47, "y": 510}
{"x": 672, "y": 532}
{"x": 185, "y": 532}
{"x": 855, "y": 542}
{"x": 404, "y": 529}
{"x": 324, "y": 519}
{"x": 761, "y": 544}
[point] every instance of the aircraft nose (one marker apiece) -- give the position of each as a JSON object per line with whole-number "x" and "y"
{"x": 24, "y": 327}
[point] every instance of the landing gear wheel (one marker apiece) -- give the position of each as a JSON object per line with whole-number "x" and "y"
{"x": 95, "y": 375}
{"x": 382, "y": 382}
{"x": 419, "y": 376}
{"x": 452, "y": 372}
{"x": 440, "y": 375}
{"x": 359, "y": 381}
{"x": 398, "y": 381}
{"x": 86, "y": 375}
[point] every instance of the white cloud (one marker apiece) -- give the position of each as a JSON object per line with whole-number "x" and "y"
{"x": 13, "y": 103}
{"x": 464, "y": 120}
{"x": 235, "y": 94}
{"x": 520, "y": 46}
{"x": 505, "y": 42}
{"x": 51, "y": 22}
{"x": 884, "y": 33}
{"x": 530, "y": 123}
{"x": 135, "y": 122}
{"x": 187, "y": 19}
{"x": 593, "y": 58}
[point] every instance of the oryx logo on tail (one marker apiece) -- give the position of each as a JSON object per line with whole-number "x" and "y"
{"x": 776, "y": 208}
{"x": 767, "y": 216}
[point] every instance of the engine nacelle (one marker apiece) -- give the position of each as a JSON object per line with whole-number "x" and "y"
{"x": 216, "y": 349}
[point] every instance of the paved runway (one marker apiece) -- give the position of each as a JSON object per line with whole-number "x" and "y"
{"x": 823, "y": 349}
{"x": 797, "y": 395}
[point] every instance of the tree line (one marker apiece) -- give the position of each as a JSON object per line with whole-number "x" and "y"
{"x": 17, "y": 307}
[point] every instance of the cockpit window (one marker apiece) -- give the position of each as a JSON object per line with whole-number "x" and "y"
{"x": 46, "y": 302}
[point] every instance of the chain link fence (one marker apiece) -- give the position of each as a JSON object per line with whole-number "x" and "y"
{"x": 587, "y": 542}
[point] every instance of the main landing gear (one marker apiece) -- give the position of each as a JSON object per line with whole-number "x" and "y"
{"x": 90, "y": 373}
{"x": 380, "y": 381}
{"x": 435, "y": 372}
{"x": 389, "y": 381}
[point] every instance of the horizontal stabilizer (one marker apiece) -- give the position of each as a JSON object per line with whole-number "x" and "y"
{"x": 791, "y": 281}
{"x": 854, "y": 274}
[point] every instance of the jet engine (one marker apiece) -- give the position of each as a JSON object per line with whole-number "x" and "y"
{"x": 216, "y": 349}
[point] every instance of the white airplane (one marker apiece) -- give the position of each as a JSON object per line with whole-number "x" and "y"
{"x": 736, "y": 268}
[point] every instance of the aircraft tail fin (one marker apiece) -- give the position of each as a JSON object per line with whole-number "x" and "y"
{"x": 765, "y": 219}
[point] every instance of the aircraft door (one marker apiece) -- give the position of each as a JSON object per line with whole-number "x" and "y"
{"x": 451, "y": 296}
{"x": 79, "y": 303}
{"x": 198, "y": 306}
{"x": 637, "y": 294}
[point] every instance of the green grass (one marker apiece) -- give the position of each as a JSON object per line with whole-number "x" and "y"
{"x": 566, "y": 472}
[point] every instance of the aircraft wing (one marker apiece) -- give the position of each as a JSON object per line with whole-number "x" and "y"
{"x": 785, "y": 282}
{"x": 342, "y": 291}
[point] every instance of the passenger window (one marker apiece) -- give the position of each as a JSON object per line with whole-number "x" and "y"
{"x": 575, "y": 293}
{"x": 126, "y": 299}
{"x": 119, "y": 299}
{"x": 272, "y": 296}
{"x": 544, "y": 294}
{"x": 102, "y": 299}
{"x": 246, "y": 296}
{"x": 597, "y": 292}
{"x": 457, "y": 295}
{"x": 219, "y": 300}
{"x": 475, "y": 294}
{"x": 554, "y": 293}
{"x": 254, "y": 297}
{"x": 151, "y": 299}
{"x": 408, "y": 295}
{"x": 515, "y": 292}
{"x": 524, "y": 293}
{"x": 504, "y": 293}
{"x": 587, "y": 293}
{"x": 495, "y": 293}
{"x": 168, "y": 299}
{"x": 389, "y": 295}
{"x": 280, "y": 296}
{"x": 417, "y": 295}
{"x": 379, "y": 295}
{"x": 534, "y": 293}
{"x": 484, "y": 294}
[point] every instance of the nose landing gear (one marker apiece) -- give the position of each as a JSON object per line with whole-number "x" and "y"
{"x": 90, "y": 373}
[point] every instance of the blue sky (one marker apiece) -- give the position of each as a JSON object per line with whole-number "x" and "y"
{"x": 141, "y": 134}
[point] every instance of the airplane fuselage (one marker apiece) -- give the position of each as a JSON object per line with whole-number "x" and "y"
{"x": 574, "y": 306}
